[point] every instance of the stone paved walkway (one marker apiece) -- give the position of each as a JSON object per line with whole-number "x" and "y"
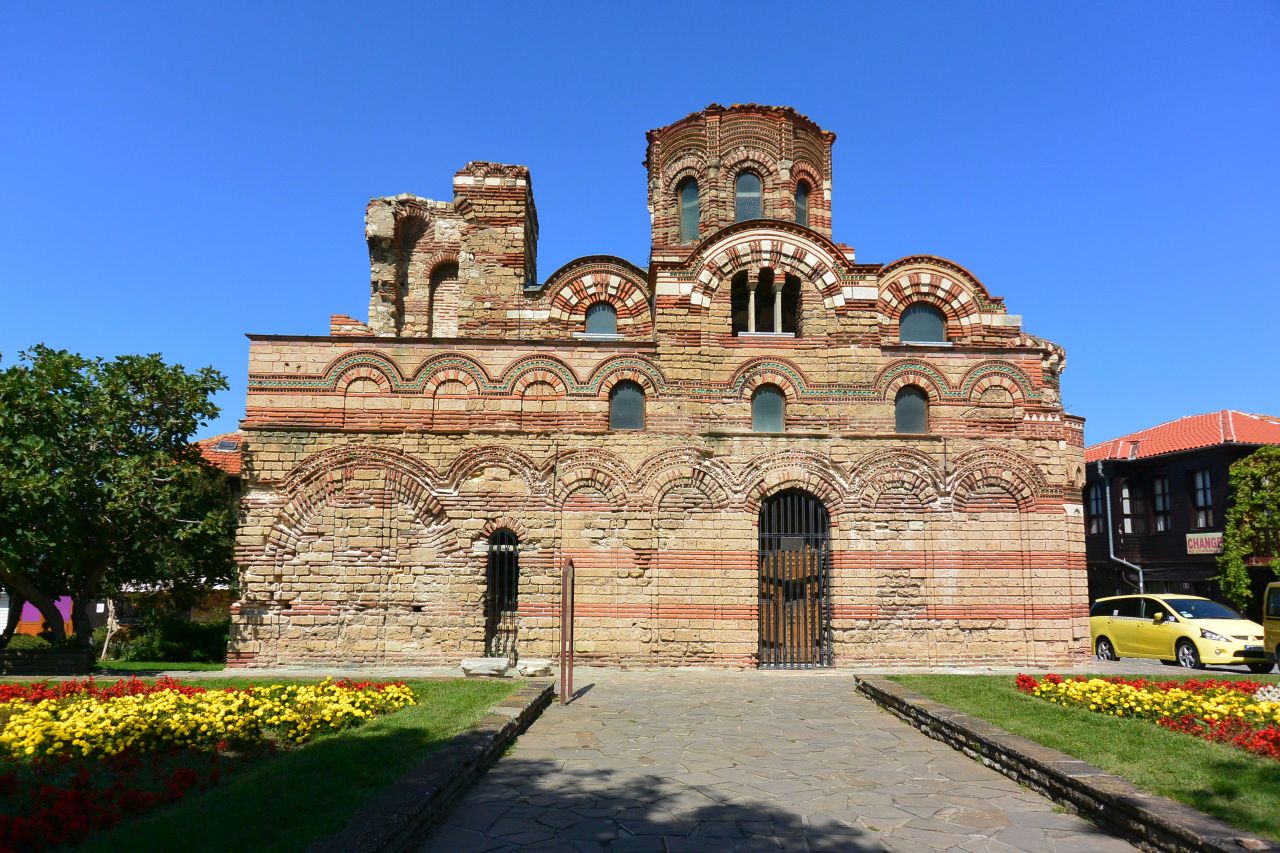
{"x": 714, "y": 761}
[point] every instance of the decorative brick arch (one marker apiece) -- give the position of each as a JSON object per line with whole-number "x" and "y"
{"x": 1001, "y": 374}
{"x": 614, "y": 370}
{"x": 363, "y": 365}
{"x": 495, "y": 456}
{"x": 896, "y": 479}
{"x": 600, "y": 470}
{"x": 895, "y": 375}
{"x": 320, "y": 477}
{"x": 771, "y": 473}
{"x": 810, "y": 174}
{"x": 768, "y": 371}
{"x": 688, "y": 163}
{"x": 450, "y": 368}
{"x": 504, "y": 522}
{"x": 578, "y": 285}
{"x": 995, "y": 468}
{"x": 665, "y": 471}
{"x": 538, "y": 367}
{"x": 782, "y": 247}
{"x": 947, "y": 286}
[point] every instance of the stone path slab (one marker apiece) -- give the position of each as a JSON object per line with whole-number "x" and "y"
{"x": 724, "y": 761}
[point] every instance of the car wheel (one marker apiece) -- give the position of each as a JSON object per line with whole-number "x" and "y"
{"x": 1188, "y": 656}
{"x": 1260, "y": 668}
{"x": 1104, "y": 650}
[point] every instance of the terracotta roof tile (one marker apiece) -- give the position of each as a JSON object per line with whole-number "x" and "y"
{"x": 219, "y": 451}
{"x": 1190, "y": 433}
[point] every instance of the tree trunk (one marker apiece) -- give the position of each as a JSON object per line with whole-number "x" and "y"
{"x": 17, "y": 582}
{"x": 80, "y": 602}
{"x": 16, "y": 602}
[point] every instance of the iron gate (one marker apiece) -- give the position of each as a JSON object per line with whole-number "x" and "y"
{"x": 795, "y": 582}
{"x": 502, "y": 595}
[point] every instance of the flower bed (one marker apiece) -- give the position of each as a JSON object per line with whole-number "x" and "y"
{"x": 1244, "y": 714}
{"x": 76, "y": 756}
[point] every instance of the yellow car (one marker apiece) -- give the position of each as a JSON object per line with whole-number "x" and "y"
{"x": 1185, "y": 630}
{"x": 1271, "y": 618}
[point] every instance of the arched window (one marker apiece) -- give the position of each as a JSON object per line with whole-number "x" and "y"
{"x": 768, "y": 409}
{"x": 626, "y": 406}
{"x": 747, "y": 203}
{"x": 602, "y": 319}
{"x": 689, "y": 210}
{"x": 921, "y": 323}
{"x": 802, "y": 203}
{"x": 911, "y": 411}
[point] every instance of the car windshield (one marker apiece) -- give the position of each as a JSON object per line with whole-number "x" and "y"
{"x": 1196, "y": 608}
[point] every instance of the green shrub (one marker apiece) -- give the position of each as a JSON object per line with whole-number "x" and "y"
{"x": 167, "y": 638}
{"x": 28, "y": 642}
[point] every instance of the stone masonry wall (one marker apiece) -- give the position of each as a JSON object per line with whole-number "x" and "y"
{"x": 380, "y": 459}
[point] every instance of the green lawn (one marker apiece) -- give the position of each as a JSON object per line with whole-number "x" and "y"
{"x": 156, "y": 666}
{"x": 288, "y": 801}
{"x": 1230, "y": 784}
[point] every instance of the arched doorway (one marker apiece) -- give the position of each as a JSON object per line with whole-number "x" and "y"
{"x": 795, "y": 582}
{"x": 502, "y": 594}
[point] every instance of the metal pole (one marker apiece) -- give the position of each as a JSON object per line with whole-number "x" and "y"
{"x": 566, "y": 632}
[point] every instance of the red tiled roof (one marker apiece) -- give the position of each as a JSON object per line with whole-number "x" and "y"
{"x": 1190, "y": 433}
{"x": 226, "y": 459}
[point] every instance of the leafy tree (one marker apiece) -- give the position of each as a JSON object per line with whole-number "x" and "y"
{"x": 1253, "y": 521}
{"x": 100, "y": 485}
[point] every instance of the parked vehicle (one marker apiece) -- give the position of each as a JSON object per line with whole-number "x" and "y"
{"x": 1182, "y": 630}
{"x": 1271, "y": 618}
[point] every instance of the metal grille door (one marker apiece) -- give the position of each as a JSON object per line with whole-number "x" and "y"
{"x": 502, "y": 595}
{"x": 795, "y": 582}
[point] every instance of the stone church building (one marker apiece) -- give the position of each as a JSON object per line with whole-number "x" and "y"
{"x": 757, "y": 451}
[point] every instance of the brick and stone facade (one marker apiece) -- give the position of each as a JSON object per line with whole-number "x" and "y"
{"x": 380, "y": 458}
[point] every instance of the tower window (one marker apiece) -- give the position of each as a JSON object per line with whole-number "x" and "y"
{"x": 444, "y": 272}
{"x": 690, "y": 210}
{"x": 922, "y": 323}
{"x": 626, "y": 406}
{"x": 802, "y": 203}
{"x": 602, "y": 319}
{"x": 911, "y": 411}
{"x": 768, "y": 405}
{"x": 747, "y": 203}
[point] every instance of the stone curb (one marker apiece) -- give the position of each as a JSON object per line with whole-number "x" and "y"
{"x": 399, "y": 816}
{"x": 1146, "y": 820}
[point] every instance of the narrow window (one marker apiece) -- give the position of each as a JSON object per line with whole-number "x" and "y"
{"x": 1202, "y": 498}
{"x": 746, "y": 197}
{"x": 740, "y": 304}
{"x": 911, "y": 411}
{"x": 438, "y": 301}
{"x": 689, "y": 210}
{"x": 602, "y": 319}
{"x": 791, "y": 305}
{"x": 765, "y": 302}
{"x": 802, "y": 203}
{"x": 768, "y": 405}
{"x": 1133, "y": 509}
{"x": 502, "y": 601}
{"x": 1094, "y": 508}
{"x": 626, "y": 406}
{"x": 921, "y": 323}
{"x": 1160, "y": 503}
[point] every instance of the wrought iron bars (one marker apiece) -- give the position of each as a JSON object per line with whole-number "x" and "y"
{"x": 795, "y": 582}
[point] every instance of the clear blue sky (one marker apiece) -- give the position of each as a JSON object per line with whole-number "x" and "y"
{"x": 175, "y": 175}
